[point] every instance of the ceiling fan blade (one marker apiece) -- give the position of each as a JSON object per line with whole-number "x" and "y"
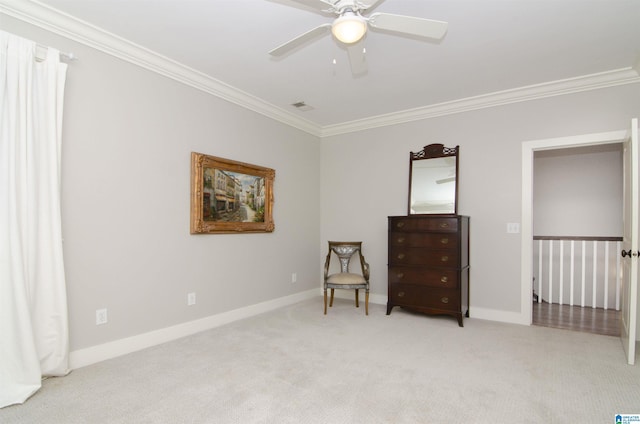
{"x": 370, "y": 4}
{"x": 316, "y": 4}
{"x": 409, "y": 25}
{"x": 357, "y": 59}
{"x": 300, "y": 40}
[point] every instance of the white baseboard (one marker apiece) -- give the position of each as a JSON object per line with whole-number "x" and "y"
{"x": 497, "y": 315}
{"x": 91, "y": 355}
{"x": 475, "y": 312}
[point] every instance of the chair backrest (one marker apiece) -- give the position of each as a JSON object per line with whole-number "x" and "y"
{"x": 345, "y": 250}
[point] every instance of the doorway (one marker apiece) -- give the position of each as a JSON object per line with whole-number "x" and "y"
{"x": 577, "y": 223}
{"x": 528, "y": 150}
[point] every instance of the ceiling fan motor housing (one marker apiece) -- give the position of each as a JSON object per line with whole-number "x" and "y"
{"x": 349, "y": 27}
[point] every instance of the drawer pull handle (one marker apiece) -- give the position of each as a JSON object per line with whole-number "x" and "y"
{"x": 445, "y": 300}
{"x": 444, "y": 240}
{"x": 401, "y": 256}
{"x": 444, "y": 225}
{"x": 400, "y": 275}
{"x": 400, "y": 224}
{"x": 400, "y": 239}
{"x": 444, "y": 258}
{"x": 444, "y": 279}
{"x": 400, "y": 294}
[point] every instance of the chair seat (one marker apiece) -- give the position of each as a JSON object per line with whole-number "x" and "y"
{"x": 346, "y": 278}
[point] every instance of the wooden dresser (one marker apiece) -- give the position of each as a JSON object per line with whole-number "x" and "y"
{"x": 429, "y": 264}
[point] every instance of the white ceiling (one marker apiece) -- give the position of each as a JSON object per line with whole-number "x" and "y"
{"x": 491, "y": 46}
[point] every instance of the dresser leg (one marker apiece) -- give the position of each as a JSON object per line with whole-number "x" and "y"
{"x": 389, "y": 307}
{"x": 460, "y": 320}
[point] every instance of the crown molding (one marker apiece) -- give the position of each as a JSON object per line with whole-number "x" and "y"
{"x": 60, "y": 23}
{"x": 55, "y": 21}
{"x": 606, "y": 79}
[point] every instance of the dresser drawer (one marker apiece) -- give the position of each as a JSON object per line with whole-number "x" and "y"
{"x": 428, "y": 240}
{"x": 425, "y": 257}
{"x": 426, "y": 297}
{"x": 424, "y": 277}
{"x": 430, "y": 224}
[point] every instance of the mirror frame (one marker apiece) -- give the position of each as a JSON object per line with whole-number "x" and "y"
{"x": 434, "y": 151}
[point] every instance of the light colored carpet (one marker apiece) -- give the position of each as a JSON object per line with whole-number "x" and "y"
{"x": 295, "y": 365}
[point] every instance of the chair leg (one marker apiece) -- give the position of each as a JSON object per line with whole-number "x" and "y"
{"x": 366, "y": 303}
{"x": 357, "y": 303}
{"x": 325, "y": 301}
{"x": 331, "y": 303}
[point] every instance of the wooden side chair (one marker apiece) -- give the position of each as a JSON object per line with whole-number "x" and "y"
{"x": 344, "y": 279}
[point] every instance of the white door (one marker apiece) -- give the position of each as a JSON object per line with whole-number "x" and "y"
{"x": 629, "y": 299}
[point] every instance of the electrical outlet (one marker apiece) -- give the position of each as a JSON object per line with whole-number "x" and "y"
{"x": 101, "y": 316}
{"x": 294, "y": 277}
{"x": 191, "y": 299}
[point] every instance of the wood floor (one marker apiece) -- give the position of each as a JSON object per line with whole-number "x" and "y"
{"x": 590, "y": 320}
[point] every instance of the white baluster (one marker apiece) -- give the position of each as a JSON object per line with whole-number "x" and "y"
{"x": 606, "y": 275}
{"x": 595, "y": 274}
{"x": 540, "y": 250}
{"x": 584, "y": 258}
{"x": 561, "y": 296}
{"x": 618, "y": 275}
{"x": 550, "y": 271}
{"x": 573, "y": 245}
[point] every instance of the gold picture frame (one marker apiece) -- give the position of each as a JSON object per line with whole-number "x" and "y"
{"x": 228, "y": 196}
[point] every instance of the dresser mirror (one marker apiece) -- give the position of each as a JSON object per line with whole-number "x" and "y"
{"x": 433, "y": 180}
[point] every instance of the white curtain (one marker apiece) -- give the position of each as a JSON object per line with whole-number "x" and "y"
{"x": 33, "y": 302}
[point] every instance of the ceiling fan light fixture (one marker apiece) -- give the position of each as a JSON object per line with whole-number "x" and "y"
{"x": 349, "y": 28}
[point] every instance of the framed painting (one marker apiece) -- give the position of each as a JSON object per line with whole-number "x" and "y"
{"x": 229, "y": 196}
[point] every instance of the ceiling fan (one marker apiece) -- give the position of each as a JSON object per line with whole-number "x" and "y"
{"x": 351, "y": 26}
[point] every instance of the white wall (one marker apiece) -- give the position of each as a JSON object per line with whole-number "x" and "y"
{"x": 127, "y": 138}
{"x": 578, "y": 191}
{"x": 365, "y": 179}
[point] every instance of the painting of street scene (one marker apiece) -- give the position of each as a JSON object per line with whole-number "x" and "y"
{"x": 232, "y": 197}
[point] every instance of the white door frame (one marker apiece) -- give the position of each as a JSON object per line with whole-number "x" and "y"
{"x": 528, "y": 149}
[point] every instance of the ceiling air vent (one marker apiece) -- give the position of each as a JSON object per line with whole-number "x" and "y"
{"x": 301, "y": 106}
